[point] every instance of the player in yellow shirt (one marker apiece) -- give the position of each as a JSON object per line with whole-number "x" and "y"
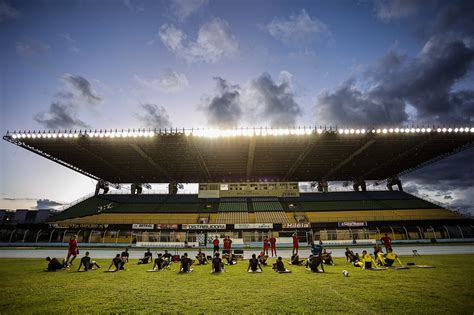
{"x": 366, "y": 261}
{"x": 389, "y": 258}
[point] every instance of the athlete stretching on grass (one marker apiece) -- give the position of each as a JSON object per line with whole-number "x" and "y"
{"x": 254, "y": 264}
{"x": 117, "y": 262}
{"x": 87, "y": 263}
{"x": 54, "y": 264}
{"x": 160, "y": 263}
{"x": 185, "y": 263}
{"x": 367, "y": 261}
{"x": 279, "y": 266}
{"x": 389, "y": 258}
{"x": 217, "y": 265}
{"x": 314, "y": 262}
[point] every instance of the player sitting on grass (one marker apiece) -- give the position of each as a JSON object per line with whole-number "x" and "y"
{"x": 160, "y": 263}
{"x": 54, "y": 264}
{"x": 217, "y": 264}
{"x": 327, "y": 258}
{"x": 254, "y": 264}
{"x": 366, "y": 262}
{"x": 279, "y": 266}
{"x": 87, "y": 263}
{"x": 185, "y": 263}
{"x": 389, "y": 258}
{"x": 295, "y": 260}
{"x": 262, "y": 258}
{"x": 231, "y": 260}
{"x": 167, "y": 256}
{"x": 201, "y": 258}
{"x": 314, "y": 262}
{"x": 117, "y": 262}
{"x": 147, "y": 258}
{"x": 125, "y": 255}
{"x": 350, "y": 256}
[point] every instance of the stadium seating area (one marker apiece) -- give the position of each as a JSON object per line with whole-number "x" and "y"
{"x": 310, "y": 207}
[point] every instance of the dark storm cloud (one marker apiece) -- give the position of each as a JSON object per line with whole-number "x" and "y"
{"x": 425, "y": 83}
{"x": 153, "y": 116}
{"x": 224, "y": 108}
{"x": 60, "y": 115}
{"x": 47, "y": 204}
{"x": 456, "y": 17}
{"x": 83, "y": 87}
{"x": 452, "y": 179}
{"x": 276, "y": 101}
{"x": 453, "y": 172}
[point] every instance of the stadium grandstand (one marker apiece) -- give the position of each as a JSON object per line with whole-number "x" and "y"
{"x": 249, "y": 185}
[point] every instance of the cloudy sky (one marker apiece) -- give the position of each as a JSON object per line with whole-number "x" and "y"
{"x": 202, "y": 63}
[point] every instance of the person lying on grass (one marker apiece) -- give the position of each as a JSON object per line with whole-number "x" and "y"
{"x": 295, "y": 260}
{"x": 117, "y": 262}
{"x": 217, "y": 264}
{"x": 230, "y": 258}
{"x": 279, "y": 266}
{"x": 262, "y": 258}
{"x": 147, "y": 257}
{"x": 327, "y": 258}
{"x": 389, "y": 258}
{"x": 87, "y": 263}
{"x": 201, "y": 258}
{"x": 254, "y": 264}
{"x": 160, "y": 263}
{"x": 54, "y": 264}
{"x": 186, "y": 263}
{"x": 314, "y": 262}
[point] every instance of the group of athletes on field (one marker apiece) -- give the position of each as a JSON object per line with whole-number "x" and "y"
{"x": 319, "y": 256}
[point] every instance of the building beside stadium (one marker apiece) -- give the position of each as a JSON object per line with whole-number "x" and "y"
{"x": 249, "y": 185}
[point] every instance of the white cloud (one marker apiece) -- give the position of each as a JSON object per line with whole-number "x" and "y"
{"x": 29, "y": 48}
{"x": 72, "y": 43}
{"x": 387, "y": 10}
{"x": 182, "y": 9}
{"x": 170, "y": 82}
{"x": 214, "y": 42}
{"x": 299, "y": 28}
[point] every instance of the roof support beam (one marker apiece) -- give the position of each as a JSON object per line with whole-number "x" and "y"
{"x": 199, "y": 158}
{"x": 151, "y": 161}
{"x": 250, "y": 157}
{"x": 307, "y": 149}
{"x": 348, "y": 159}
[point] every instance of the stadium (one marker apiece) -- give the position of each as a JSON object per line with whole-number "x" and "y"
{"x": 248, "y": 186}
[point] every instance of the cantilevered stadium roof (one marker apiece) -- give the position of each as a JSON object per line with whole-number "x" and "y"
{"x": 205, "y": 155}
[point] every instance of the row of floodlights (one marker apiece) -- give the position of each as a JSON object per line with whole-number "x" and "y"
{"x": 216, "y": 133}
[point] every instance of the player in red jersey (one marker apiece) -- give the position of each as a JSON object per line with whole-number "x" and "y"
{"x": 296, "y": 243}
{"x": 273, "y": 241}
{"x": 265, "y": 246}
{"x": 387, "y": 242}
{"x": 72, "y": 250}
{"x": 215, "y": 242}
{"x": 227, "y": 245}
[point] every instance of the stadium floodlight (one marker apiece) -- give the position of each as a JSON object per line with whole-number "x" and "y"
{"x": 390, "y": 130}
{"x": 444, "y": 130}
{"x": 384, "y": 130}
{"x": 472, "y": 129}
{"x": 450, "y": 129}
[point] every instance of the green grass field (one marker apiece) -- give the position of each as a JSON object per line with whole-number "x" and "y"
{"x": 448, "y": 288}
